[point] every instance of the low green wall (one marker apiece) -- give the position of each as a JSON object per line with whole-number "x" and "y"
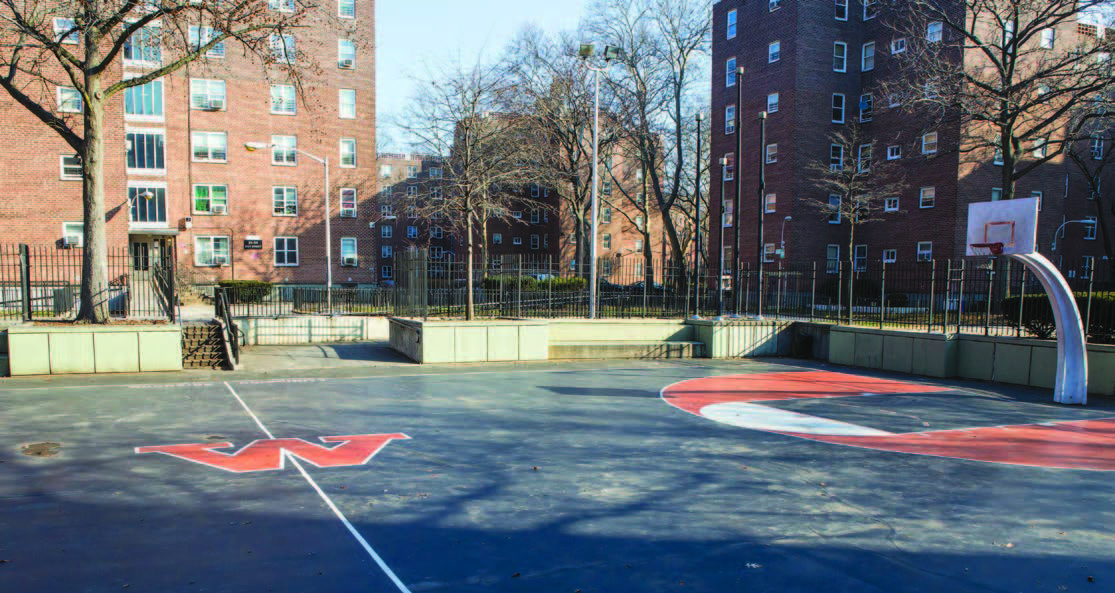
{"x": 620, "y": 330}
{"x": 312, "y": 329}
{"x": 60, "y": 350}
{"x": 743, "y": 338}
{"x": 500, "y": 340}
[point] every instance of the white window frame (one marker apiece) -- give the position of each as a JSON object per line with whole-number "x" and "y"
{"x": 283, "y": 48}
{"x": 729, "y": 172}
{"x": 146, "y": 99}
{"x": 146, "y": 170}
{"x": 832, "y": 258}
{"x": 638, "y": 249}
{"x": 1040, "y": 195}
{"x": 284, "y": 150}
{"x": 894, "y": 152}
{"x": 1096, "y": 147}
{"x": 209, "y": 190}
{"x": 730, "y": 72}
{"x": 774, "y": 5}
{"x": 213, "y": 251}
{"x": 890, "y": 204}
{"x": 412, "y": 232}
{"x": 843, "y": 108}
{"x": 606, "y": 241}
{"x": 870, "y": 11}
{"x": 935, "y": 32}
{"x": 772, "y": 103}
{"x": 347, "y": 150}
{"x": 605, "y": 214}
{"x": 198, "y": 138}
{"x": 1041, "y": 148}
{"x": 639, "y": 222}
{"x": 497, "y": 238}
{"x": 286, "y": 250}
{"x": 74, "y": 239}
{"x": 63, "y": 25}
{"x": 346, "y": 110}
{"x": 867, "y": 57}
{"x": 890, "y": 256}
{"x": 730, "y": 120}
{"x": 412, "y": 191}
{"x": 835, "y": 216}
{"x": 196, "y": 33}
{"x": 349, "y": 249}
{"x": 839, "y": 56}
{"x": 386, "y": 231}
{"x": 346, "y": 50}
{"x": 386, "y": 251}
{"x": 863, "y": 158}
{"x": 841, "y": 7}
{"x": 287, "y": 105}
{"x": 535, "y": 241}
{"x": 836, "y": 157}
{"x": 1048, "y": 38}
{"x": 437, "y": 232}
{"x": 732, "y": 24}
{"x": 929, "y": 143}
{"x": 516, "y": 240}
{"x": 386, "y": 273}
{"x": 288, "y": 201}
{"x": 774, "y": 51}
{"x": 897, "y": 46}
{"x": 996, "y": 194}
{"x": 1090, "y": 228}
{"x": 66, "y": 97}
{"x": 281, "y": 5}
{"x": 346, "y": 9}
{"x": 208, "y": 89}
{"x": 62, "y": 166}
{"x": 412, "y": 171}
{"x": 348, "y": 202}
{"x": 535, "y": 215}
{"x": 769, "y": 251}
{"x": 770, "y": 203}
{"x": 866, "y": 107}
{"x": 925, "y": 251}
{"x": 144, "y": 31}
{"x": 772, "y": 153}
{"x": 859, "y": 258}
{"x": 927, "y": 197}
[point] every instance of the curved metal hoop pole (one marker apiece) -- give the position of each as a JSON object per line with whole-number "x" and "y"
{"x": 1072, "y": 354}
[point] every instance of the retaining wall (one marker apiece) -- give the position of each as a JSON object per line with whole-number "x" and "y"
{"x": 312, "y": 329}
{"x": 59, "y": 350}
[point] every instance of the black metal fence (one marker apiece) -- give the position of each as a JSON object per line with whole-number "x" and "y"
{"x": 44, "y": 283}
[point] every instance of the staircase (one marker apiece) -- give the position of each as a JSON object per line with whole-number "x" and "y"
{"x": 203, "y": 346}
{"x": 5, "y": 367}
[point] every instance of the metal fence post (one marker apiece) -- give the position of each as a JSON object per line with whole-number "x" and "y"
{"x": 932, "y": 292}
{"x": 990, "y": 289}
{"x": 519, "y": 289}
{"x": 25, "y": 279}
{"x": 1021, "y": 304}
{"x": 813, "y": 294}
{"x": 1088, "y": 307}
{"x": 883, "y": 296}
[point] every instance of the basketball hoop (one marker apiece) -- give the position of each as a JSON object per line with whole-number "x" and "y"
{"x": 989, "y": 249}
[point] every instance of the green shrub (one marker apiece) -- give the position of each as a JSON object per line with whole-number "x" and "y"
{"x": 510, "y": 282}
{"x": 1037, "y": 314}
{"x": 569, "y": 284}
{"x": 246, "y": 291}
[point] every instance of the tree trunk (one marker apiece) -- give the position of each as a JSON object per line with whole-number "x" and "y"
{"x": 95, "y": 294}
{"x": 851, "y": 271}
{"x": 470, "y": 307}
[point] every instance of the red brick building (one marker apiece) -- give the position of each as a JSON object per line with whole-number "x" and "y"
{"x": 812, "y": 67}
{"x": 178, "y": 177}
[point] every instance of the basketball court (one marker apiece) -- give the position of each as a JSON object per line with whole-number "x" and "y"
{"x": 634, "y": 476}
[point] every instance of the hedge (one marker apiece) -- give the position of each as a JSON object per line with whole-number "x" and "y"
{"x": 532, "y": 284}
{"x": 1037, "y": 314}
{"x": 246, "y": 291}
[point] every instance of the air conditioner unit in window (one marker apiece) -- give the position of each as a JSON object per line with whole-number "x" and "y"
{"x": 219, "y": 260}
{"x": 218, "y": 209}
{"x": 71, "y": 241}
{"x": 347, "y": 63}
{"x": 348, "y": 212}
{"x": 348, "y": 261}
{"x": 216, "y": 104}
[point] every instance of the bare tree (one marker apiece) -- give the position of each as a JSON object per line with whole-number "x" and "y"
{"x": 461, "y": 113}
{"x": 75, "y": 44}
{"x": 1094, "y": 158}
{"x": 855, "y": 187}
{"x": 665, "y": 45}
{"x": 1008, "y": 73}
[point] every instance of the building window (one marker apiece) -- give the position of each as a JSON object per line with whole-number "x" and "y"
{"x": 1089, "y": 264}
{"x": 64, "y": 31}
{"x": 200, "y": 36}
{"x": 606, "y": 267}
{"x": 859, "y": 258}
{"x": 386, "y": 251}
{"x": 890, "y": 256}
{"x": 731, "y": 24}
{"x": 535, "y": 241}
{"x": 516, "y": 240}
{"x": 730, "y": 72}
{"x": 836, "y": 157}
{"x": 385, "y": 231}
{"x": 1090, "y": 228}
{"x": 729, "y": 166}
{"x": 148, "y": 205}
{"x": 605, "y": 214}
{"x": 1048, "y": 38}
{"x": 347, "y": 103}
{"x": 286, "y": 251}
{"x": 832, "y": 259}
{"x": 866, "y": 108}
{"x": 863, "y": 160}
{"x": 841, "y": 10}
{"x": 497, "y": 238}
{"x": 210, "y": 199}
{"x": 436, "y": 252}
{"x": 867, "y": 57}
{"x": 929, "y": 143}
{"x": 772, "y": 103}
{"x": 894, "y": 152}
{"x": 839, "y": 57}
{"x": 69, "y": 100}
{"x": 771, "y": 203}
{"x": 144, "y": 47}
{"x": 412, "y": 191}
{"x": 386, "y": 210}
{"x": 768, "y": 252}
{"x": 284, "y": 201}
{"x": 435, "y": 193}
{"x": 412, "y": 171}
{"x": 144, "y": 101}
{"x": 837, "y": 108}
{"x": 890, "y": 204}
{"x": 348, "y": 153}
{"x": 925, "y": 250}
{"x": 386, "y": 272}
{"x": 517, "y": 214}
{"x": 348, "y": 202}
{"x": 412, "y": 212}
{"x": 284, "y": 150}
{"x": 282, "y": 99}
{"x": 535, "y": 191}
{"x": 146, "y": 152}
{"x": 934, "y": 32}
{"x": 348, "y": 251}
{"x": 282, "y": 48}
{"x": 206, "y": 94}
{"x": 730, "y": 119}
{"x": 726, "y": 208}
{"x": 437, "y": 233}
{"x": 772, "y": 153}
{"x": 346, "y": 54}
{"x": 435, "y": 172}
{"x": 211, "y": 251}
{"x": 996, "y": 194}
{"x": 73, "y": 233}
{"x": 346, "y": 9}
{"x": 606, "y": 240}
{"x": 70, "y": 167}
{"x": 834, "y": 209}
{"x": 898, "y": 46}
{"x": 535, "y": 215}
{"x": 639, "y": 222}
{"x": 870, "y": 10}
{"x": 775, "y": 5}
{"x": 927, "y": 197}
{"x": 774, "y": 52}
{"x": 210, "y": 147}
{"x": 1041, "y": 146}
{"x": 1097, "y": 147}
{"x": 281, "y": 5}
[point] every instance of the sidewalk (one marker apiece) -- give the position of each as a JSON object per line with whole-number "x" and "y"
{"x": 320, "y": 356}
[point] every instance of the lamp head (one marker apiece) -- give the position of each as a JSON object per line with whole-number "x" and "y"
{"x": 147, "y": 195}
{"x": 254, "y": 146}
{"x": 789, "y": 218}
{"x": 723, "y": 161}
{"x": 586, "y": 51}
{"x": 612, "y": 52}
{"x": 700, "y": 116}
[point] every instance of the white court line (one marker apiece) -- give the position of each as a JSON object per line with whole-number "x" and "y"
{"x": 336, "y": 511}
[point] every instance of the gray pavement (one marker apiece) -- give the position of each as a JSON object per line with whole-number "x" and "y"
{"x": 546, "y": 477}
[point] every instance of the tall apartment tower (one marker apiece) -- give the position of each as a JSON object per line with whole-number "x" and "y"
{"x": 180, "y": 182}
{"x": 812, "y": 66}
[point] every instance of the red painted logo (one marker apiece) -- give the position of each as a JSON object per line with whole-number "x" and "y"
{"x": 268, "y": 454}
{"x": 735, "y": 400}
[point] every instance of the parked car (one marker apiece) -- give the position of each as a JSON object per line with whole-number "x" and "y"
{"x": 655, "y": 288}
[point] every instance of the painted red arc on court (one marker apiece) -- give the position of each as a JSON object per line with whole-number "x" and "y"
{"x": 1079, "y": 444}
{"x": 267, "y": 454}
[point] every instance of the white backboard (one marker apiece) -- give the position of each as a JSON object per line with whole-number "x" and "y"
{"x": 1014, "y": 223}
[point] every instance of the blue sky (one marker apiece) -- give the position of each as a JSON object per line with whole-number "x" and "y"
{"x": 409, "y": 32}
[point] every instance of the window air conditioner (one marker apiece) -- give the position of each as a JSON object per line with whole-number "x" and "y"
{"x": 219, "y": 260}
{"x": 219, "y": 209}
{"x": 216, "y": 103}
{"x": 348, "y": 212}
{"x": 349, "y": 261}
{"x": 71, "y": 241}
{"x": 347, "y": 63}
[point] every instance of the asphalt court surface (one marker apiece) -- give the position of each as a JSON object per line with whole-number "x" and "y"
{"x": 541, "y": 478}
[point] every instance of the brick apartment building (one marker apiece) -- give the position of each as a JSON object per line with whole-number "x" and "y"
{"x": 540, "y": 229}
{"x": 813, "y": 63}
{"x": 180, "y": 182}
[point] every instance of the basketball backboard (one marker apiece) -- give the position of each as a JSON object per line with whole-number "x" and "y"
{"x": 1013, "y": 223}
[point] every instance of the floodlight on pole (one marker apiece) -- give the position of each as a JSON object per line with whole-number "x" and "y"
{"x": 1053, "y": 247}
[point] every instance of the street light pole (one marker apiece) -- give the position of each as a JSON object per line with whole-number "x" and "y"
{"x": 762, "y": 203}
{"x": 1053, "y": 247}
{"x": 720, "y": 252}
{"x": 697, "y": 224}
{"x": 737, "y": 279}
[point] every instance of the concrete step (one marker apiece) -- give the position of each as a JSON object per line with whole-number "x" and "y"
{"x": 625, "y": 349}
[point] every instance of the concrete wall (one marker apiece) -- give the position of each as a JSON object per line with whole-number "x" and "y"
{"x": 312, "y": 329}
{"x": 738, "y": 339}
{"x": 57, "y": 350}
{"x": 620, "y": 330}
{"x": 919, "y": 353}
{"x": 499, "y": 340}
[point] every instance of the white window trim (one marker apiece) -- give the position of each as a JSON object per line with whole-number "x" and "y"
{"x": 925, "y": 144}
{"x": 340, "y": 55}
{"x": 193, "y": 198}
{"x": 71, "y": 39}
{"x": 844, "y": 4}
{"x": 284, "y": 212}
{"x": 922, "y": 194}
{"x": 730, "y": 72}
{"x": 772, "y": 54}
{"x": 774, "y": 104}
{"x": 193, "y": 143}
{"x": 62, "y": 167}
{"x": 197, "y": 251}
{"x": 843, "y": 45}
{"x": 140, "y": 117}
{"x": 898, "y": 46}
{"x": 340, "y": 104}
{"x": 940, "y": 33}
{"x": 843, "y": 107}
{"x": 61, "y": 102}
{"x": 894, "y": 152}
{"x": 771, "y": 153}
{"x": 890, "y": 256}
{"x": 275, "y": 253}
{"x": 1091, "y": 228}
{"x": 154, "y": 131}
{"x": 729, "y": 120}
{"x": 835, "y": 209}
{"x": 293, "y": 101}
{"x": 770, "y": 203}
{"x": 887, "y": 204}
{"x": 346, "y": 16}
{"x": 867, "y": 4}
{"x": 341, "y": 153}
{"x": 927, "y": 252}
{"x": 208, "y": 95}
{"x": 731, "y": 24}
{"x": 80, "y": 235}
{"x": 355, "y": 249}
{"x": 863, "y": 57}
{"x": 275, "y": 146}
